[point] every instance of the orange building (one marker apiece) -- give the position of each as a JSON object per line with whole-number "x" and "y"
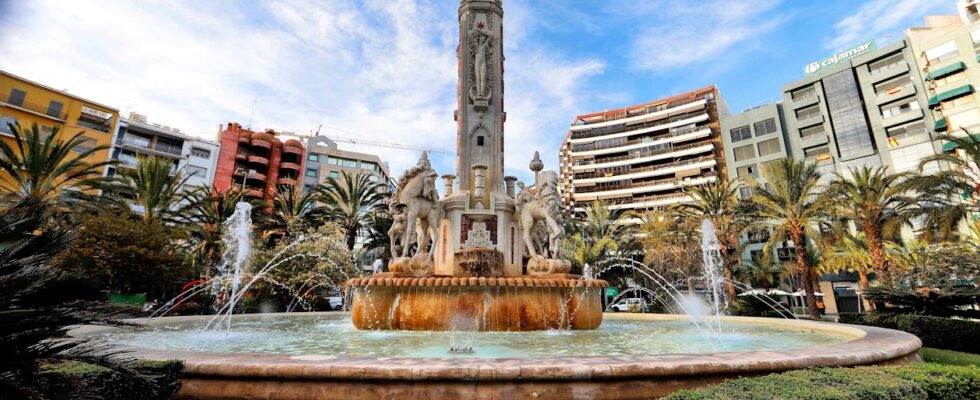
{"x": 257, "y": 162}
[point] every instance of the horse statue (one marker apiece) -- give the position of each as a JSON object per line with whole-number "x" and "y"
{"x": 542, "y": 204}
{"x": 417, "y": 201}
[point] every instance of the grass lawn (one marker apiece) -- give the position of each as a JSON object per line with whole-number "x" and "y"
{"x": 949, "y": 357}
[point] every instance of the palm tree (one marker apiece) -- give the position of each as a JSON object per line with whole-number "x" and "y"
{"x": 792, "y": 205}
{"x": 378, "y": 225}
{"x": 38, "y": 167}
{"x": 671, "y": 244}
{"x": 878, "y": 204}
{"x": 849, "y": 253}
{"x": 292, "y": 211}
{"x": 350, "y": 202}
{"x": 718, "y": 203}
{"x": 205, "y": 215}
{"x": 761, "y": 271}
{"x": 153, "y": 190}
{"x": 601, "y": 233}
{"x": 950, "y": 195}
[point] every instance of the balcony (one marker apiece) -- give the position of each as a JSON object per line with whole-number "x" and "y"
{"x": 289, "y": 166}
{"x": 258, "y": 160}
{"x": 241, "y": 156}
{"x": 37, "y": 109}
{"x": 909, "y": 115}
{"x": 895, "y": 94}
{"x": 806, "y": 100}
{"x": 627, "y": 119}
{"x": 672, "y": 122}
{"x": 652, "y": 170}
{"x": 244, "y": 139}
{"x": 889, "y": 71}
{"x": 293, "y": 150}
{"x": 258, "y": 142}
{"x": 287, "y": 181}
{"x": 682, "y": 135}
{"x": 253, "y": 193}
{"x": 809, "y": 121}
{"x": 644, "y": 156}
{"x": 813, "y": 140}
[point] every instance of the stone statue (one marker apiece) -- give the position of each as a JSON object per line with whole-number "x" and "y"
{"x": 396, "y": 234}
{"x": 418, "y": 200}
{"x": 543, "y": 204}
{"x": 480, "y": 43}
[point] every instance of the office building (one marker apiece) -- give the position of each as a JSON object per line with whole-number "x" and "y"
{"x": 26, "y": 102}
{"x": 946, "y": 56}
{"x": 257, "y": 162}
{"x": 642, "y": 157}
{"x": 195, "y": 157}
{"x": 324, "y": 160}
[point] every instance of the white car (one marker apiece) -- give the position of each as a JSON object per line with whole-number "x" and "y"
{"x": 635, "y": 304}
{"x": 336, "y": 303}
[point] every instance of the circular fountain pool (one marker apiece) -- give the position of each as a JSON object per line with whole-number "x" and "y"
{"x": 301, "y": 355}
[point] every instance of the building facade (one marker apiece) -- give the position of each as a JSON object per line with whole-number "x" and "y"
{"x": 26, "y": 102}
{"x": 946, "y": 55}
{"x": 868, "y": 110}
{"x": 257, "y": 162}
{"x": 195, "y": 158}
{"x": 642, "y": 157}
{"x": 324, "y": 160}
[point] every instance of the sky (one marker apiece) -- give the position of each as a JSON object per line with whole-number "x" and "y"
{"x": 386, "y": 70}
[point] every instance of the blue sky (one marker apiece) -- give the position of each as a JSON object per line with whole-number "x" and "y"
{"x": 385, "y": 69}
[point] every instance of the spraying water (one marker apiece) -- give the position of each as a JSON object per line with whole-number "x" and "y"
{"x": 237, "y": 244}
{"x": 713, "y": 264}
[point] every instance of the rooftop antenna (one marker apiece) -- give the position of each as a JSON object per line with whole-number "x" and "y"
{"x": 250, "y": 113}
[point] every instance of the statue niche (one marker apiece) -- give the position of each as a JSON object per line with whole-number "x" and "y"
{"x": 481, "y": 45}
{"x": 416, "y": 208}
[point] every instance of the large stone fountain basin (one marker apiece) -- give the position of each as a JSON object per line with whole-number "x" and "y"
{"x": 210, "y": 375}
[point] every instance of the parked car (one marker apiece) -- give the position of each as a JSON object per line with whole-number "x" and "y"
{"x": 634, "y": 304}
{"x": 336, "y": 303}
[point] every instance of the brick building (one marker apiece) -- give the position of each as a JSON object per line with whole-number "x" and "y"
{"x": 257, "y": 161}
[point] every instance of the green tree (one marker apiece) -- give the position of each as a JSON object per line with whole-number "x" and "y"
{"x": 671, "y": 244}
{"x": 128, "y": 254}
{"x": 792, "y": 205}
{"x": 951, "y": 195}
{"x": 760, "y": 271}
{"x": 602, "y": 233}
{"x": 849, "y": 253}
{"x": 292, "y": 212}
{"x": 378, "y": 225}
{"x": 38, "y": 167}
{"x": 718, "y": 203}
{"x": 154, "y": 190}
{"x": 878, "y": 203}
{"x": 350, "y": 201}
{"x": 205, "y": 216}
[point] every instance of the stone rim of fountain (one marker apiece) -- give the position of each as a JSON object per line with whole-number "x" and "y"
{"x": 870, "y": 346}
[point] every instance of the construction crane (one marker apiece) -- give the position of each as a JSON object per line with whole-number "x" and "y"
{"x": 374, "y": 143}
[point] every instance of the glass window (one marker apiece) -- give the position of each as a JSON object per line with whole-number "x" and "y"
{"x": 765, "y": 127}
{"x": 847, "y": 116}
{"x": 893, "y": 85}
{"x": 86, "y": 144}
{"x": 804, "y": 93}
{"x": 768, "y": 147}
{"x": 479, "y": 140}
{"x": 333, "y": 161}
{"x": 892, "y": 110}
{"x": 334, "y": 174}
{"x": 748, "y": 171}
{"x": 310, "y": 172}
{"x": 348, "y": 163}
{"x": 373, "y": 178}
{"x": 821, "y": 153}
{"x": 808, "y": 112}
{"x": 54, "y": 109}
{"x": 941, "y": 53}
{"x": 313, "y": 157}
{"x": 741, "y": 133}
{"x": 17, "y": 97}
{"x": 5, "y": 123}
{"x": 201, "y": 153}
{"x": 196, "y": 171}
{"x": 811, "y": 131}
{"x": 886, "y": 63}
{"x": 744, "y": 152}
{"x": 44, "y": 131}
{"x": 906, "y": 130}
{"x": 744, "y": 192}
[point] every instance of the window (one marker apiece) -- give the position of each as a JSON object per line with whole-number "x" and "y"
{"x": 768, "y": 147}
{"x": 136, "y": 140}
{"x": 811, "y": 132}
{"x": 196, "y": 171}
{"x": 369, "y": 165}
{"x": 948, "y": 80}
{"x": 744, "y": 152}
{"x": 344, "y": 162}
{"x": 44, "y": 131}
{"x": 479, "y": 140}
{"x": 17, "y": 97}
{"x": 959, "y": 101}
{"x": 373, "y": 178}
{"x": 741, "y": 133}
{"x": 941, "y": 53}
{"x": 744, "y": 192}
{"x": 334, "y": 175}
{"x": 95, "y": 119}
{"x": 892, "y": 110}
{"x": 893, "y": 85}
{"x": 201, "y": 153}
{"x": 748, "y": 171}
{"x": 313, "y": 157}
{"x": 765, "y": 127}
{"x": 821, "y": 153}
{"x": 804, "y": 93}
{"x": 54, "y": 109}
{"x": 5, "y": 123}
{"x": 887, "y": 63}
{"x": 333, "y": 161}
{"x": 86, "y": 144}
{"x": 906, "y": 130}
{"x": 808, "y": 112}
{"x": 169, "y": 146}
{"x": 310, "y": 172}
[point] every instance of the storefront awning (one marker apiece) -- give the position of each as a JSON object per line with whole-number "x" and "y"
{"x": 949, "y": 146}
{"x": 950, "y": 94}
{"x": 946, "y": 71}
{"x": 940, "y": 125}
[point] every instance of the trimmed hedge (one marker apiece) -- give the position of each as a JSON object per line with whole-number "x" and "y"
{"x": 938, "y": 332}
{"x": 74, "y": 380}
{"x": 917, "y": 382}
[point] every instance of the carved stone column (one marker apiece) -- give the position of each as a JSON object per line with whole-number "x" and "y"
{"x": 510, "y": 180}
{"x": 448, "y": 181}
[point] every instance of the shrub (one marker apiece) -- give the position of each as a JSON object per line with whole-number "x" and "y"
{"x": 938, "y": 332}
{"x": 918, "y": 382}
{"x": 74, "y": 379}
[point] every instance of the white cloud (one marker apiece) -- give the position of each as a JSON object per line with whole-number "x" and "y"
{"x": 377, "y": 69}
{"x": 692, "y": 32}
{"x": 882, "y": 20}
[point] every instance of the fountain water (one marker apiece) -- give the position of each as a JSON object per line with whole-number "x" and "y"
{"x": 237, "y": 243}
{"x": 713, "y": 264}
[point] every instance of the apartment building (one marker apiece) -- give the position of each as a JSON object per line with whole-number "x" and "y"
{"x": 866, "y": 109}
{"x": 257, "y": 162}
{"x": 325, "y": 160}
{"x": 947, "y": 54}
{"x": 642, "y": 157}
{"x": 135, "y": 137}
{"x": 27, "y": 102}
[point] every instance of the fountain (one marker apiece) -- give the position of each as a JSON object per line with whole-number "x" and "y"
{"x": 485, "y": 307}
